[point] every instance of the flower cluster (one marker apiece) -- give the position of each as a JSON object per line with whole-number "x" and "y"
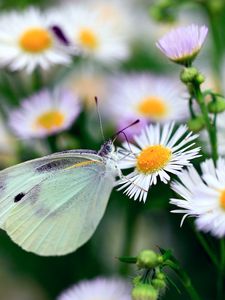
{"x": 41, "y": 39}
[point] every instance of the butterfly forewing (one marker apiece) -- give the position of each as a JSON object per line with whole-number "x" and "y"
{"x": 62, "y": 209}
{"x": 16, "y": 181}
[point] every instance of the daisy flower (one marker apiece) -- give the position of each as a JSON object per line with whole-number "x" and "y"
{"x": 99, "y": 288}
{"x": 203, "y": 196}
{"x": 182, "y": 44}
{"x": 159, "y": 151}
{"x": 26, "y": 41}
{"x": 146, "y": 97}
{"x": 44, "y": 113}
{"x": 95, "y": 37}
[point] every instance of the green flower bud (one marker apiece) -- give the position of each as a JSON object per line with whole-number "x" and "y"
{"x": 188, "y": 74}
{"x": 136, "y": 280}
{"x": 148, "y": 259}
{"x": 160, "y": 275}
{"x": 158, "y": 284}
{"x": 217, "y": 106}
{"x": 196, "y": 124}
{"x": 200, "y": 78}
{"x": 144, "y": 292}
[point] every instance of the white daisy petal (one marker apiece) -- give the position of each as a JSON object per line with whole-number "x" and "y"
{"x": 26, "y": 41}
{"x": 159, "y": 155}
{"x": 44, "y": 114}
{"x": 203, "y": 196}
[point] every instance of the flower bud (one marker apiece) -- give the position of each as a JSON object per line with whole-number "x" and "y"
{"x": 188, "y": 74}
{"x": 144, "y": 292}
{"x": 217, "y": 106}
{"x": 148, "y": 259}
{"x": 161, "y": 276}
{"x": 137, "y": 280}
{"x": 200, "y": 78}
{"x": 158, "y": 284}
{"x": 196, "y": 124}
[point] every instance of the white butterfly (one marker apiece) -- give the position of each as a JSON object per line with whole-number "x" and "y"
{"x": 52, "y": 205}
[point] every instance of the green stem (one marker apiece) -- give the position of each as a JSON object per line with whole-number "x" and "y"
{"x": 221, "y": 280}
{"x": 209, "y": 126}
{"x": 222, "y": 252}
{"x": 206, "y": 247}
{"x": 185, "y": 279}
{"x": 192, "y": 113}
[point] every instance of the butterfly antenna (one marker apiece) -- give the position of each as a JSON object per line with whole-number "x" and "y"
{"x": 99, "y": 118}
{"x": 122, "y": 132}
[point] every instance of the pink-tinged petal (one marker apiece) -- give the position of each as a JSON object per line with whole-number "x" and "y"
{"x": 182, "y": 44}
{"x": 23, "y": 120}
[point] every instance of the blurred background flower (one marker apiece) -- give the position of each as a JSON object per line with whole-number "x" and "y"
{"x": 45, "y": 113}
{"x": 28, "y": 42}
{"x": 147, "y": 97}
{"x": 99, "y": 288}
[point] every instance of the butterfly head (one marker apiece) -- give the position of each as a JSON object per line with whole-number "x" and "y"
{"x": 106, "y": 149}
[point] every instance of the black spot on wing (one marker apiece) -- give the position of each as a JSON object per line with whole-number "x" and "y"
{"x": 79, "y": 151}
{"x": 2, "y": 187}
{"x": 18, "y": 197}
{"x": 58, "y": 164}
{"x": 53, "y": 165}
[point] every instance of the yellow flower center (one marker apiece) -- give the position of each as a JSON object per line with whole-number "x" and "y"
{"x": 88, "y": 38}
{"x": 50, "y": 120}
{"x": 35, "y": 40}
{"x": 153, "y": 159}
{"x": 222, "y": 199}
{"x": 152, "y": 107}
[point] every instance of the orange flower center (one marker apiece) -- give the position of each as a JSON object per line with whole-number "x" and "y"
{"x": 222, "y": 199}
{"x": 35, "y": 40}
{"x": 50, "y": 120}
{"x": 153, "y": 159}
{"x": 88, "y": 38}
{"x": 152, "y": 107}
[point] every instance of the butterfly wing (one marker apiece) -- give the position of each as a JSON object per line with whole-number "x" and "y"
{"x": 18, "y": 180}
{"x": 62, "y": 211}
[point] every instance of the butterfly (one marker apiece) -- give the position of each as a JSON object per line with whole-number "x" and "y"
{"x": 52, "y": 205}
